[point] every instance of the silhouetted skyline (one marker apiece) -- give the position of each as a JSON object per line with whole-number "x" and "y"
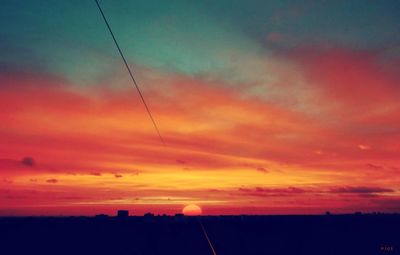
{"x": 251, "y": 235}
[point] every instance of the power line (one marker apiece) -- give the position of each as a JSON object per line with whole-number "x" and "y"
{"x": 129, "y": 71}
{"x": 208, "y": 239}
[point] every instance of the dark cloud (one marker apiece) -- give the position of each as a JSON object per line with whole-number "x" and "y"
{"x": 374, "y": 166}
{"x": 95, "y": 174}
{"x": 71, "y": 198}
{"x": 361, "y": 190}
{"x": 179, "y": 161}
{"x": 52, "y": 181}
{"x": 284, "y": 190}
{"x": 262, "y": 169}
{"x": 244, "y": 190}
{"x": 389, "y": 204}
{"x": 118, "y": 175}
{"x": 260, "y": 191}
{"x": 28, "y": 161}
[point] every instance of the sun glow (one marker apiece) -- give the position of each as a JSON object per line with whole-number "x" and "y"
{"x": 192, "y": 210}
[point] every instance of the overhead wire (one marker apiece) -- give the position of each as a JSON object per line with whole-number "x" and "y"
{"x": 206, "y": 236}
{"x": 145, "y": 104}
{"x": 130, "y": 72}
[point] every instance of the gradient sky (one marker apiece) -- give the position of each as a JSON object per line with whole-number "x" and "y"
{"x": 277, "y": 107}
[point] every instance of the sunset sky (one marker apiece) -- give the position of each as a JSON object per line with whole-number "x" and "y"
{"x": 266, "y": 107}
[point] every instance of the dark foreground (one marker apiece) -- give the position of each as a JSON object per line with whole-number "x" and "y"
{"x": 230, "y": 235}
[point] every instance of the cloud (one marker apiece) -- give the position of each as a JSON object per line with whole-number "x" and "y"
{"x": 8, "y": 181}
{"x": 376, "y": 167}
{"x": 364, "y": 147}
{"x": 262, "y": 169}
{"x": 333, "y": 71}
{"x": 18, "y": 166}
{"x": 214, "y": 126}
{"x": 361, "y": 190}
{"x": 28, "y": 161}
{"x": 388, "y": 204}
{"x": 262, "y": 191}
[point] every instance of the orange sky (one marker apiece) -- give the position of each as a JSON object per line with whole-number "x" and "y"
{"x": 266, "y": 107}
{"x": 330, "y": 143}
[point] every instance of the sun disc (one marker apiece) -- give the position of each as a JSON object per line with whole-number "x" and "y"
{"x": 192, "y": 210}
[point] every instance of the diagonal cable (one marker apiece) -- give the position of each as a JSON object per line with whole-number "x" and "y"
{"x": 129, "y": 71}
{"x": 208, "y": 239}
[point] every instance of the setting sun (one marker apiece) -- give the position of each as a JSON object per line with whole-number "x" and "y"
{"x": 192, "y": 210}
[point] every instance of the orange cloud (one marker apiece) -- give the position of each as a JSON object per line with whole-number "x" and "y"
{"x": 225, "y": 149}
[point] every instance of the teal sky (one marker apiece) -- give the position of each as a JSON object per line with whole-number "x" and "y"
{"x": 69, "y": 39}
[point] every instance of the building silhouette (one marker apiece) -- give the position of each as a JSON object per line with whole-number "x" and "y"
{"x": 101, "y": 216}
{"x": 148, "y": 215}
{"x": 122, "y": 213}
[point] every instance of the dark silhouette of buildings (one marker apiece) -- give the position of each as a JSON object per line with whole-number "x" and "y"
{"x": 365, "y": 234}
{"x": 101, "y": 216}
{"x": 148, "y": 215}
{"x": 122, "y": 213}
